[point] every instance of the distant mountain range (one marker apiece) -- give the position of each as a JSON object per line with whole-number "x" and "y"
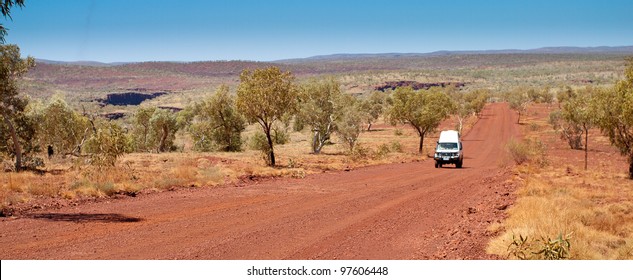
{"x": 622, "y": 50}
{"x": 80, "y": 63}
{"x": 545, "y": 50}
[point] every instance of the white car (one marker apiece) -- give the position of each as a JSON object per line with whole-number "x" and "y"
{"x": 449, "y": 149}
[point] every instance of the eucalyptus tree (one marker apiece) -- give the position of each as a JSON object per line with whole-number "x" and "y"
{"x": 423, "y": 110}
{"x": 615, "y": 114}
{"x": 17, "y": 129}
{"x": 266, "y": 96}
{"x": 319, "y": 109}
{"x": 216, "y": 123}
{"x": 580, "y": 111}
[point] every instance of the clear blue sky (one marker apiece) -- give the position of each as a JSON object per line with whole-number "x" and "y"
{"x": 172, "y": 30}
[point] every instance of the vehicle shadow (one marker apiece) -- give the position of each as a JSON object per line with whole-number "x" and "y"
{"x": 85, "y": 218}
{"x": 453, "y": 167}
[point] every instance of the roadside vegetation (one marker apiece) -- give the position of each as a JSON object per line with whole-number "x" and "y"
{"x": 575, "y": 199}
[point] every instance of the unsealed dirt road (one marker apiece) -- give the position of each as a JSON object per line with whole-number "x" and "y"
{"x": 398, "y": 211}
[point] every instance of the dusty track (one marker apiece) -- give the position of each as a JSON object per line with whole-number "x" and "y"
{"x": 399, "y": 211}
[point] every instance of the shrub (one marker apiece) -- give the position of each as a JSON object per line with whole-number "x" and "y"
{"x": 382, "y": 151}
{"x": 396, "y": 146}
{"x": 527, "y": 151}
{"x": 518, "y": 151}
{"x": 217, "y": 125}
{"x": 280, "y": 135}
{"x": 360, "y": 152}
{"x": 543, "y": 248}
{"x": 107, "y": 144}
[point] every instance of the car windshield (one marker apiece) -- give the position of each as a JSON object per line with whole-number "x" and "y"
{"x": 447, "y": 146}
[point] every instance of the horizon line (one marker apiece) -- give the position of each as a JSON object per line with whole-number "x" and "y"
{"x": 623, "y": 49}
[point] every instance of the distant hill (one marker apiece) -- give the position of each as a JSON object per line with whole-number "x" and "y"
{"x": 622, "y": 50}
{"x": 546, "y": 50}
{"x": 80, "y": 63}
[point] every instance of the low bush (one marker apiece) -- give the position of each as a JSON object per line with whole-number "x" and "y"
{"x": 544, "y": 248}
{"x": 528, "y": 150}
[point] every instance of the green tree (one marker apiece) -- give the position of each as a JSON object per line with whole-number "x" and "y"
{"x": 373, "y": 106}
{"x": 141, "y": 129}
{"x": 217, "y": 123}
{"x": 154, "y": 129}
{"x": 466, "y": 104}
{"x": 547, "y": 96}
{"x": 12, "y": 106}
{"x": 318, "y": 109}
{"x": 350, "y": 123}
{"x": 477, "y": 100}
{"x": 5, "y": 8}
{"x": 579, "y": 111}
{"x": 423, "y": 110}
{"x": 571, "y": 132}
{"x": 108, "y": 143}
{"x": 615, "y": 112}
{"x": 534, "y": 95}
{"x": 265, "y": 96}
{"x": 163, "y": 128}
{"x": 61, "y": 127}
{"x": 564, "y": 94}
{"x": 519, "y": 102}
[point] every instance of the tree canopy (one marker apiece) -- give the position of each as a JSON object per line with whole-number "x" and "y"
{"x": 320, "y": 109}
{"x": 265, "y": 96}
{"x": 217, "y": 125}
{"x": 615, "y": 114}
{"x": 5, "y": 9}
{"x": 423, "y": 110}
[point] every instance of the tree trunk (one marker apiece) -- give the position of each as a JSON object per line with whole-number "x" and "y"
{"x": 461, "y": 124}
{"x": 420, "y": 150}
{"x": 631, "y": 166}
{"x": 586, "y": 146}
{"x": 270, "y": 146}
{"x": 369, "y": 127}
{"x": 316, "y": 146}
{"x": 17, "y": 150}
{"x": 163, "y": 139}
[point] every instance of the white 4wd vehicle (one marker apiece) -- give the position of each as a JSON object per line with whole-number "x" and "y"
{"x": 449, "y": 149}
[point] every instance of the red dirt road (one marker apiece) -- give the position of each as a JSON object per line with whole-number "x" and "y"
{"x": 398, "y": 211}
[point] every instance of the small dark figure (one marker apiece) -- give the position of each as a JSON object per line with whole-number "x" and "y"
{"x": 50, "y": 151}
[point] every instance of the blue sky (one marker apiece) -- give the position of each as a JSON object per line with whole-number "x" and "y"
{"x": 170, "y": 30}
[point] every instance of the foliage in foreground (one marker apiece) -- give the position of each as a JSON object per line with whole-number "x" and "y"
{"x": 544, "y": 248}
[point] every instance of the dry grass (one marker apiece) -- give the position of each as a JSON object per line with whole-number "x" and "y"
{"x": 595, "y": 207}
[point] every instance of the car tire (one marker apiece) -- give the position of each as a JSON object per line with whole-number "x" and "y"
{"x": 459, "y": 164}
